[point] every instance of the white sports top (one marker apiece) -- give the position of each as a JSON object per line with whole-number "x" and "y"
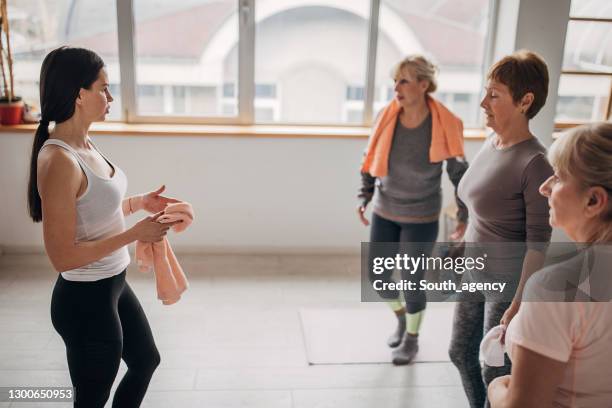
{"x": 99, "y": 215}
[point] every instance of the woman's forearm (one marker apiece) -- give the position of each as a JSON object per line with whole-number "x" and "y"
{"x": 456, "y": 168}
{"x": 534, "y": 260}
{"x": 126, "y": 207}
{"x": 367, "y": 188}
{"x": 83, "y": 253}
{"x": 132, "y": 204}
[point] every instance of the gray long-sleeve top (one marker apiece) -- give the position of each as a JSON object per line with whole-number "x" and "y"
{"x": 411, "y": 191}
{"x": 501, "y": 191}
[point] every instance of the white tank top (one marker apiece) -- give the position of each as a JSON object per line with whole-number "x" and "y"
{"x": 99, "y": 215}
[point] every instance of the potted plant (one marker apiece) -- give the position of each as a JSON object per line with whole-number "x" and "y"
{"x": 11, "y": 106}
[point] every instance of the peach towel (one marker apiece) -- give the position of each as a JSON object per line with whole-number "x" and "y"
{"x": 446, "y": 137}
{"x": 159, "y": 257}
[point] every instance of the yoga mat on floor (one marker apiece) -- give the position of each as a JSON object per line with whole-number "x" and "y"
{"x": 359, "y": 335}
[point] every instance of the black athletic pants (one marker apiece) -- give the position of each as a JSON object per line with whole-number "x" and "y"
{"x": 101, "y": 323}
{"x": 418, "y": 239}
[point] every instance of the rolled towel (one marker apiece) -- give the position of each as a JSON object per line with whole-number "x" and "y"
{"x": 170, "y": 279}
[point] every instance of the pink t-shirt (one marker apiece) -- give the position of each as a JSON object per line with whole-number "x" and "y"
{"x": 577, "y": 333}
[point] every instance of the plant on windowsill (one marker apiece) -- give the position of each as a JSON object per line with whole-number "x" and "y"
{"x": 11, "y": 106}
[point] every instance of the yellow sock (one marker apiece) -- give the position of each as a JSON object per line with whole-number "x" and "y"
{"x": 396, "y": 305}
{"x": 413, "y": 322}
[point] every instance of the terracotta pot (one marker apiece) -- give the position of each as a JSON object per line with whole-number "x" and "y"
{"x": 11, "y": 113}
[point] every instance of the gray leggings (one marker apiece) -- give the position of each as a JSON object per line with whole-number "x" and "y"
{"x": 471, "y": 320}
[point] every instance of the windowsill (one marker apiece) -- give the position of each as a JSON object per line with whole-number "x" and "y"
{"x": 261, "y": 131}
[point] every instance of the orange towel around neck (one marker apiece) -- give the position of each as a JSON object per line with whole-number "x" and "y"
{"x": 159, "y": 257}
{"x": 446, "y": 137}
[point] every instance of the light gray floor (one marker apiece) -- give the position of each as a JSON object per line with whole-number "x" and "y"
{"x": 234, "y": 340}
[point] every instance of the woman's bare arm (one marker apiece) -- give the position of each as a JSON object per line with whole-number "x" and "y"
{"x": 533, "y": 262}
{"x": 59, "y": 180}
{"x": 130, "y": 205}
{"x": 533, "y": 382}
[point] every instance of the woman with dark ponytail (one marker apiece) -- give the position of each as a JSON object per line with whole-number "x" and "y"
{"x": 78, "y": 194}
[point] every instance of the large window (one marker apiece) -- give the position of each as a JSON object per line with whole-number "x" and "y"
{"x": 585, "y": 88}
{"x": 182, "y": 45}
{"x": 311, "y": 51}
{"x": 37, "y": 27}
{"x": 259, "y": 61}
{"x": 451, "y": 33}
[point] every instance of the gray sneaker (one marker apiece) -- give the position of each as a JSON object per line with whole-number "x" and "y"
{"x": 406, "y": 351}
{"x": 395, "y": 339}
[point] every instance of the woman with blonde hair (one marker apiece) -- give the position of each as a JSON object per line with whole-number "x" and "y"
{"x": 401, "y": 174}
{"x": 559, "y": 342}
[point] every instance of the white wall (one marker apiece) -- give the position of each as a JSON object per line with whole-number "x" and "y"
{"x": 291, "y": 195}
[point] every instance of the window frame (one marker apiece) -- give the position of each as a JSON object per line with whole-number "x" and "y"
{"x": 561, "y": 125}
{"x": 246, "y": 70}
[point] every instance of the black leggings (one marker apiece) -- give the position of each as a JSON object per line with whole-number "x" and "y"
{"x": 421, "y": 238}
{"x": 102, "y": 322}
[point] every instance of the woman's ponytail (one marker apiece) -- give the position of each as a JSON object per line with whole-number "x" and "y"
{"x": 34, "y": 203}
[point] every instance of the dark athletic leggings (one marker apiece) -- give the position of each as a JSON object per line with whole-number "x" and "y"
{"x": 102, "y": 322}
{"x": 472, "y": 319}
{"x": 421, "y": 239}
